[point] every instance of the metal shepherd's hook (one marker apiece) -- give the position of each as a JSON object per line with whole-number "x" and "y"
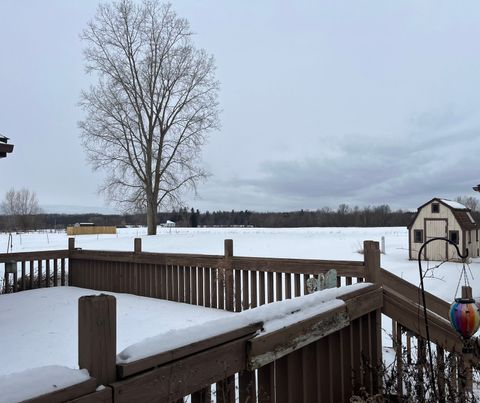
{"x": 463, "y": 257}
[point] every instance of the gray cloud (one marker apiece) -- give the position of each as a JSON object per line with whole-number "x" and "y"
{"x": 323, "y": 102}
{"x": 402, "y": 173}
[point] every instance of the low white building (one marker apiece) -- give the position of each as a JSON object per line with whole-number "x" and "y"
{"x": 168, "y": 223}
{"x": 443, "y": 218}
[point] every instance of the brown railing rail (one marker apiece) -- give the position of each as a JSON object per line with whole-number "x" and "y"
{"x": 224, "y": 281}
{"x": 411, "y": 292}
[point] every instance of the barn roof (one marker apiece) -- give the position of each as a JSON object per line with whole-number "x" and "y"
{"x": 460, "y": 212}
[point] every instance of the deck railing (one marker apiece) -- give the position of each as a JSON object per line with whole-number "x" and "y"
{"x": 237, "y": 283}
{"x": 35, "y": 270}
{"x": 224, "y": 281}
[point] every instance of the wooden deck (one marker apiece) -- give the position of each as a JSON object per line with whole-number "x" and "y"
{"x": 325, "y": 358}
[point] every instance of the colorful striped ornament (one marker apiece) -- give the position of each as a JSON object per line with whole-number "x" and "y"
{"x": 465, "y": 317}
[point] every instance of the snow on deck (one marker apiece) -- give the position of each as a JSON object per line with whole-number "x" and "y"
{"x": 35, "y": 382}
{"x": 274, "y": 316}
{"x": 39, "y": 327}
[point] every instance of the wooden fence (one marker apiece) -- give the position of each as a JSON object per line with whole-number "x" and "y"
{"x": 91, "y": 230}
{"x": 239, "y": 283}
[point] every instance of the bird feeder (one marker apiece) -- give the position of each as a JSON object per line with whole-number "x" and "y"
{"x": 465, "y": 317}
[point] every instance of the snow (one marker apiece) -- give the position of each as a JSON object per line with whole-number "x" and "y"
{"x": 30, "y": 383}
{"x": 274, "y": 317}
{"x": 453, "y": 204}
{"x": 40, "y": 326}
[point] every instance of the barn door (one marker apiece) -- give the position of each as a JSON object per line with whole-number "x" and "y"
{"x": 436, "y": 250}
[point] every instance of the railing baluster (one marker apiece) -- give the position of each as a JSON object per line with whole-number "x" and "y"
{"x": 208, "y": 287}
{"x": 270, "y": 287}
{"x": 193, "y": 279}
{"x": 296, "y": 278}
{"x": 279, "y": 287}
{"x": 261, "y": 287}
{"x": 214, "y": 275}
{"x": 62, "y": 271}
{"x": 40, "y": 273}
{"x": 47, "y": 273}
{"x": 247, "y": 386}
{"x": 288, "y": 286}
{"x": 399, "y": 358}
{"x": 181, "y": 283}
{"x": 201, "y": 294}
{"x": 32, "y": 274}
{"x": 238, "y": 290}
{"x": 253, "y": 288}
{"x": 55, "y": 272}
{"x": 245, "y": 289}
{"x": 24, "y": 280}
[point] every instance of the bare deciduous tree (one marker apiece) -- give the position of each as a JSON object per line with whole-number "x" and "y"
{"x": 21, "y": 206}
{"x": 154, "y": 103}
{"x": 468, "y": 201}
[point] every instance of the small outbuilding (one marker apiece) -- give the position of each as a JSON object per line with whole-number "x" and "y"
{"x": 443, "y": 218}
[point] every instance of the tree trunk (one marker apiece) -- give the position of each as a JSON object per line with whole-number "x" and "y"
{"x": 152, "y": 218}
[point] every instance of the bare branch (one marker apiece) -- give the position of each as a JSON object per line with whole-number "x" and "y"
{"x": 153, "y": 106}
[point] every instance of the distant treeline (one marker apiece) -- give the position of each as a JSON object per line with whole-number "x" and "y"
{"x": 343, "y": 216}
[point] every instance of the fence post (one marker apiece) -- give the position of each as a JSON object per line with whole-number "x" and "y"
{"x": 228, "y": 274}
{"x": 97, "y": 336}
{"x": 137, "y": 245}
{"x": 71, "y": 243}
{"x": 371, "y": 259}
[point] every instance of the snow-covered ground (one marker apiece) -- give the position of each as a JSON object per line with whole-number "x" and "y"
{"x": 314, "y": 243}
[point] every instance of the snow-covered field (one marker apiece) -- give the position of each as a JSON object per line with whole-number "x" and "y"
{"x": 315, "y": 243}
{"x": 51, "y": 329}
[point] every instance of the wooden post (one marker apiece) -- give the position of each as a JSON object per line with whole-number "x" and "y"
{"x": 228, "y": 275}
{"x": 97, "y": 337}
{"x": 137, "y": 245}
{"x": 71, "y": 243}
{"x": 371, "y": 258}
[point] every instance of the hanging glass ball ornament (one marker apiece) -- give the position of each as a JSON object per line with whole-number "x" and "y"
{"x": 465, "y": 317}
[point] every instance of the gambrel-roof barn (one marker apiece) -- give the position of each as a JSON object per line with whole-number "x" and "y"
{"x": 443, "y": 218}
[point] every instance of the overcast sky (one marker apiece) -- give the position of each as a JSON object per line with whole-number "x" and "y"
{"x": 324, "y": 102}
